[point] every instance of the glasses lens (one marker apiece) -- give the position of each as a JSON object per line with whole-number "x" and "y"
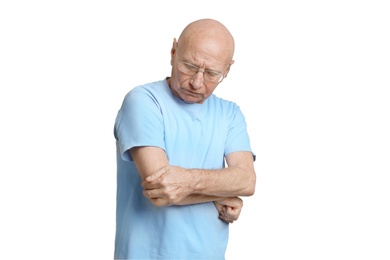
{"x": 212, "y": 76}
{"x": 190, "y": 69}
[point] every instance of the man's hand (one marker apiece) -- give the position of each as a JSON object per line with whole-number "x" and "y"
{"x": 229, "y": 208}
{"x": 169, "y": 185}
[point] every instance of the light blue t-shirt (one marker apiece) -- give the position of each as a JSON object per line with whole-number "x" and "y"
{"x": 193, "y": 136}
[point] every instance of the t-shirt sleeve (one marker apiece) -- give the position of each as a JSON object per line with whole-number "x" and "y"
{"x": 237, "y": 136}
{"x": 139, "y": 122}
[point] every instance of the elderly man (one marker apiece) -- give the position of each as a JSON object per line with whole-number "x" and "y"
{"x": 183, "y": 155}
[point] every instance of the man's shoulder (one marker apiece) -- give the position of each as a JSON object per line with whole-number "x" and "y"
{"x": 150, "y": 86}
{"x": 148, "y": 89}
{"x": 148, "y": 93}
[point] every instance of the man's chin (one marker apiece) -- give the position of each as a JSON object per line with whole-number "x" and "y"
{"x": 190, "y": 99}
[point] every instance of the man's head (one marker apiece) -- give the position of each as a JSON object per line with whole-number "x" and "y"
{"x": 200, "y": 59}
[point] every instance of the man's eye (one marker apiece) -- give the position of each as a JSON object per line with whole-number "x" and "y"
{"x": 212, "y": 74}
{"x": 191, "y": 67}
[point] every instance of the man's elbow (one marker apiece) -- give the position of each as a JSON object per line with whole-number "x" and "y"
{"x": 251, "y": 186}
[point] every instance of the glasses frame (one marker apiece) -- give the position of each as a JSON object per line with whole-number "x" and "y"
{"x": 197, "y": 70}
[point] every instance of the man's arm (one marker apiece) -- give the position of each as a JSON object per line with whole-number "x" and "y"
{"x": 149, "y": 160}
{"x": 168, "y": 185}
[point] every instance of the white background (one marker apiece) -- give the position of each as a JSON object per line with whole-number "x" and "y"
{"x": 312, "y": 78}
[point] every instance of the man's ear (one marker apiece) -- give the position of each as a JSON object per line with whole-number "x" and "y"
{"x": 228, "y": 69}
{"x": 173, "y": 50}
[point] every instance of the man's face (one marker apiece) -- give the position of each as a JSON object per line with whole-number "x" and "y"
{"x": 196, "y": 72}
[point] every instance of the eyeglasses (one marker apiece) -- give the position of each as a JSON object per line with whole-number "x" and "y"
{"x": 191, "y": 70}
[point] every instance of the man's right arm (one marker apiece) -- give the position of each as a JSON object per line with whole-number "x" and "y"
{"x": 149, "y": 159}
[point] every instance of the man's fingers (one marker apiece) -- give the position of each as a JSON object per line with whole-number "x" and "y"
{"x": 155, "y": 175}
{"x": 160, "y": 202}
{"x": 226, "y": 219}
{"x": 153, "y": 194}
{"x": 232, "y": 212}
{"x": 150, "y": 185}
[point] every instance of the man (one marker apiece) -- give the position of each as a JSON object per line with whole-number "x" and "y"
{"x": 175, "y": 197}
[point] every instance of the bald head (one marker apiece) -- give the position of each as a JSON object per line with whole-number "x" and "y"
{"x": 204, "y": 46}
{"x": 209, "y": 34}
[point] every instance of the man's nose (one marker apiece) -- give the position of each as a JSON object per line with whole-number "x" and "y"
{"x": 198, "y": 79}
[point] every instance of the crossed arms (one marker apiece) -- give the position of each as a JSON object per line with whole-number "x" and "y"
{"x": 167, "y": 185}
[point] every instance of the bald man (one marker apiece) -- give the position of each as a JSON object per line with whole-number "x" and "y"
{"x": 175, "y": 194}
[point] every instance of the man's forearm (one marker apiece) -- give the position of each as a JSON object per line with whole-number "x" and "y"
{"x": 171, "y": 185}
{"x": 197, "y": 198}
{"x": 227, "y": 182}
{"x": 238, "y": 179}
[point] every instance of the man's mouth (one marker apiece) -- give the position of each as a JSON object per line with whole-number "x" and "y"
{"x": 187, "y": 92}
